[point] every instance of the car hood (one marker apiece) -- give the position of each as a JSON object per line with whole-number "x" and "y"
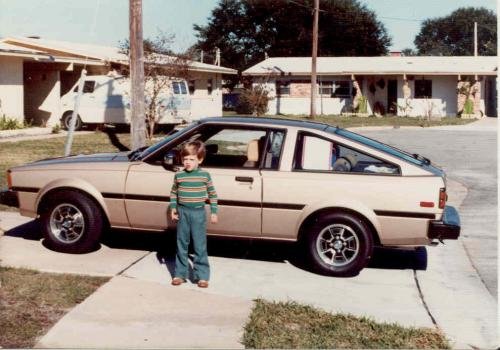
{"x": 82, "y": 158}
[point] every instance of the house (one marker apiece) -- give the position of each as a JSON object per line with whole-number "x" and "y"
{"x": 35, "y": 73}
{"x": 404, "y": 86}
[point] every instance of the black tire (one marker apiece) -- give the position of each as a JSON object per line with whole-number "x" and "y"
{"x": 66, "y": 119}
{"x": 71, "y": 222}
{"x": 339, "y": 244}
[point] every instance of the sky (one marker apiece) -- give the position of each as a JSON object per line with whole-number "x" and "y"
{"x": 105, "y": 22}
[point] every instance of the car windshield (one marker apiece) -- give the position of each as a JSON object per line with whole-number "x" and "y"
{"x": 151, "y": 149}
{"x": 393, "y": 151}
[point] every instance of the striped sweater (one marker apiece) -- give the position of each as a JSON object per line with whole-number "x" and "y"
{"x": 191, "y": 189}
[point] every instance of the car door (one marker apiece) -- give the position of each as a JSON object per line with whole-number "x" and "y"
{"x": 232, "y": 160}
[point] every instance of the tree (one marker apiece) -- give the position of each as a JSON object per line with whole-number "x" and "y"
{"x": 408, "y": 52}
{"x": 453, "y": 35}
{"x": 244, "y": 30}
{"x": 161, "y": 65}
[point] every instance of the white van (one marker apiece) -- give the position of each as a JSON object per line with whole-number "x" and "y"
{"x": 106, "y": 100}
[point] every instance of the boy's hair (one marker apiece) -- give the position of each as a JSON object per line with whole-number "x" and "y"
{"x": 194, "y": 148}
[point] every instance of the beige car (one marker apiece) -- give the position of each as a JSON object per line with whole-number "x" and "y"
{"x": 336, "y": 192}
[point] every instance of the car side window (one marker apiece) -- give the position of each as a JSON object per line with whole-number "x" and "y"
{"x": 235, "y": 148}
{"x": 319, "y": 154}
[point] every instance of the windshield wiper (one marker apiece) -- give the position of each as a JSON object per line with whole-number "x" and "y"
{"x": 134, "y": 155}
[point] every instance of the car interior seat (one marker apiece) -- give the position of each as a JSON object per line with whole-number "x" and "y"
{"x": 345, "y": 163}
{"x": 252, "y": 154}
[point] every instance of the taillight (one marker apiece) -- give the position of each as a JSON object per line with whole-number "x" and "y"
{"x": 9, "y": 179}
{"x": 442, "y": 198}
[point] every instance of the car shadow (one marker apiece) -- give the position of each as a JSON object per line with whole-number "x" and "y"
{"x": 164, "y": 245}
{"x": 260, "y": 250}
{"x": 30, "y": 230}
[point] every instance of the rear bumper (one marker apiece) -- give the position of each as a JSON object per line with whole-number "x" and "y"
{"x": 9, "y": 198}
{"x": 446, "y": 228}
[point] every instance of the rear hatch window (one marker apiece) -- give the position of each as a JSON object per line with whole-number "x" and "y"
{"x": 415, "y": 159}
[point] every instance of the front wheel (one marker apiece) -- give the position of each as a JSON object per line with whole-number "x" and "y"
{"x": 339, "y": 244}
{"x": 71, "y": 222}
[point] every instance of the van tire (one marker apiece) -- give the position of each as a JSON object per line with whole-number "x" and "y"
{"x": 66, "y": 119}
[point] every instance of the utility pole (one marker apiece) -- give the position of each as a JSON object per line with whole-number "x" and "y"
{"x": 475, "y": 39}
{"x": 138, "y": 122}
{"x": 314, "y": 56}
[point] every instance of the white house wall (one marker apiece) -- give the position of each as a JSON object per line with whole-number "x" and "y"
{"x": 42, "y": 91}
{"x": 443, "y": 102}
{"x": 301, "y": 105}
{"x": 11, "y": 87}
{"x": 204, "y": 104}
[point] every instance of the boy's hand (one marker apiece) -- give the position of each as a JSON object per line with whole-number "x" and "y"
{"x": 174, "y": 215}
{"x": 213, "y": 218}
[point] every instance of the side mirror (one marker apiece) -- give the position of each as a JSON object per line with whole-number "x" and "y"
{"x": 170, "y": 159}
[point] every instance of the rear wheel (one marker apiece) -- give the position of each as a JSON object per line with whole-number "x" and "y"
{"x": 66, "y": 121}
{"x": 339, "y": 244}
{"x": 71, "y": 222}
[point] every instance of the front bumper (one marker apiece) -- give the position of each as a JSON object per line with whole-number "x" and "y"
{"x": 9, "y": 198}
{"x": 446, "y": 228}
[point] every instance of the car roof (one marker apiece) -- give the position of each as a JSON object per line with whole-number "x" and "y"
{"x": 266, "y": 120}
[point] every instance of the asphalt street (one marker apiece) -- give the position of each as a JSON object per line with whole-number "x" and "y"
{"x": 469, "y": 157}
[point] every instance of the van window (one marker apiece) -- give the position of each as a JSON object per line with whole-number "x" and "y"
{"x": 179, "y": 88}
{"x": 88, "y": 87}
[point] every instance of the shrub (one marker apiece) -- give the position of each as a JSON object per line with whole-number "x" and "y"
{"x": 253, "y": 101}
{"x": 468, "y": 107}
{"x": 56, "y": 129}
{"x": 362, "y": 105}
{"x": 7, "y": 123}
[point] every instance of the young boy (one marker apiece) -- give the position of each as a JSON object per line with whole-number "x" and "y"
{"x": 190, "y": 189}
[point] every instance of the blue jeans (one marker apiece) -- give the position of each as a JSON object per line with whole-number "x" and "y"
{"x": 192, "y": 224}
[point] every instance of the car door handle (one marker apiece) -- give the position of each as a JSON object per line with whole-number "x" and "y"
{"x": 244, "y": 179}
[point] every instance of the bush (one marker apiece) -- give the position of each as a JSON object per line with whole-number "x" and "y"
{"x": 468, "y": 107}
{"x": 253, "y": 101}
{"x": 7, "y": 123}
{"x": 56, "y": 129}
{"x": 362, "y": 105}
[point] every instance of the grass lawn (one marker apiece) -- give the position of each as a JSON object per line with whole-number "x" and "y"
{"x": 353, "y": 121}
{"x": 291, "y": 325}
{"x": 31, "y": 302}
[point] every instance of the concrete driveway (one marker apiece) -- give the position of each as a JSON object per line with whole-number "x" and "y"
{"x": 432, "y": 287}
{"x": 468, "y": 154}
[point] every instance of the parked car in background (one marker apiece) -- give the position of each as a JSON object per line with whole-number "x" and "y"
{"x": 336, "y": 192}
{"x": 106, "y": 100}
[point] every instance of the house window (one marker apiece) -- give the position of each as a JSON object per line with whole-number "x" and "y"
{"x": 179, "y": 88}
{"x": 210, "y": 86}
{"x": 282, "y": 87}
{"x": 325, "y": 88}
{"x": 423, "y": 88}
{"x": 191, "y": 87}
{"x": 342, "y": 89}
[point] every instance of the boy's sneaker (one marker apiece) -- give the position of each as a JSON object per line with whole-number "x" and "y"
{"x": 177, "y": 281}
{"x": 203, "y": 284}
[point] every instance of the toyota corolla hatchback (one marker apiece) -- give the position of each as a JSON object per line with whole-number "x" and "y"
{"x": 336, "y": 192}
